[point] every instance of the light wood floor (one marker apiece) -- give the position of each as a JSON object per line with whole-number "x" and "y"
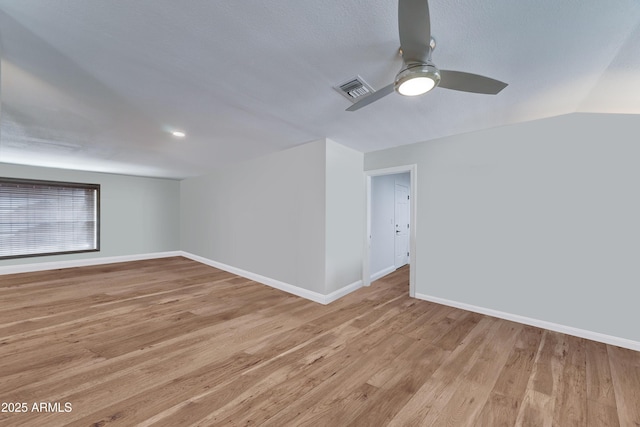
{"x": 175, "y": 343}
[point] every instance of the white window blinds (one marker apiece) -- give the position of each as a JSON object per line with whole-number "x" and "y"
{"x": 45, "y": 218}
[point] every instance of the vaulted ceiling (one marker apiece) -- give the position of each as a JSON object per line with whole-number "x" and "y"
{"x": 99, "y": 85}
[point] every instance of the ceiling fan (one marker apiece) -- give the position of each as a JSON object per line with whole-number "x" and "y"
{"x": 419, "y": 74}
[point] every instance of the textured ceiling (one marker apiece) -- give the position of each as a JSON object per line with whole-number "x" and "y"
{"x": 98, "y": 85}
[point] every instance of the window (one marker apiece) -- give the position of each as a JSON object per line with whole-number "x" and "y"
{"x": 46, "y": 218}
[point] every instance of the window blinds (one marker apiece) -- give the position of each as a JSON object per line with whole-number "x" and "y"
{"x": 44, "y": 218}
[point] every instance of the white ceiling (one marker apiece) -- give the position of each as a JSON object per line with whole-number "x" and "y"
{"x": 98, "y": 85}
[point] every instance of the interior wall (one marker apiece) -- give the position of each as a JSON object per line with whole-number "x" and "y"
{"x": 538, "y": 219}
{"x": 345, "y": 208}
{"x": 265, "y": 216}
{"x": 296, "y": 216}
{"x": 382, "y": 252}
{"x": 137, "y": 215}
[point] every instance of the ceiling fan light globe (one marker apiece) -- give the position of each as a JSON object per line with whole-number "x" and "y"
{"x": 417, "y": 79}
{"x": 416, "y": 86}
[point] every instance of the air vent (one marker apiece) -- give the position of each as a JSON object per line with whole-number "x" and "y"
{"x": 354, "y": 89}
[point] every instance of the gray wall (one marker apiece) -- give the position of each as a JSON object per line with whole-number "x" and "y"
{"x": 538, "y": 219}
{"x": 296, "y": 216}
{"x": 265, "y": 216}
{"x": 138, "y": 215}
{"x": 345, "y": 207}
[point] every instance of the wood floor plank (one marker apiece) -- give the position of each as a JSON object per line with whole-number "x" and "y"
{"x": 571, "y": 401}
{"x": 397, "y": 384}
{"x": 507, "y": 395}
{"x": 518, "y": 368}
{"x": 479, "y": 375}
{"x": 536, "y": 410}
{"x": 498, "y": 411}
{"x": 429, "y": 400}
{"x": 171, "y": 342}
{"x": 601, "y": 400}
{"x": 601, "y": 415}
{"x": 549, "y": 364}
{"x": 625, "y": 372}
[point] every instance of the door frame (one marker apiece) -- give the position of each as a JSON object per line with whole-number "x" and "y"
{"x": 413, "y": 220}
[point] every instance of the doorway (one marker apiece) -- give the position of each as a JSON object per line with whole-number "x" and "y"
{"x": 390, "y": 238}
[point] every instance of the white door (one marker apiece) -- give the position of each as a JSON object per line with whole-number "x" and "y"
{"x": 402, "y": 225}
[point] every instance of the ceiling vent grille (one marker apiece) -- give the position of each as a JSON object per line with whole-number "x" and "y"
{"x": 354, "y": 89}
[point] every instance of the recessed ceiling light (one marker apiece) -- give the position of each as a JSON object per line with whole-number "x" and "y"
{"x": 178, "y": 134}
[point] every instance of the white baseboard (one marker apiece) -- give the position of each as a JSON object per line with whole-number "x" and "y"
{"x": 277, "y": 284}
{"x": 85, "y": 262}
{"x": 286, "y": 287}
{"x": 569, "y": 330}
{"x": 342, "y": 292}
{"x": 382, "y": 273}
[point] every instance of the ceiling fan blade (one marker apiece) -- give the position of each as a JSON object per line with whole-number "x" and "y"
{"x": 372, "y": 98}
{"x": 414, "y": 26}
{"x": 468, "y": 82}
